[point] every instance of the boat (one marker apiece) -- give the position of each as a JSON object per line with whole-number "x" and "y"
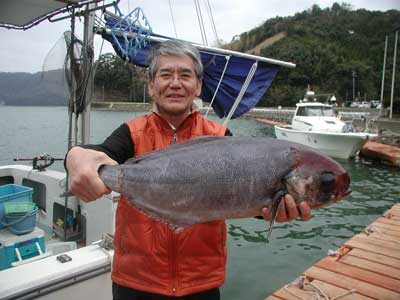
{"x": 317, "y": 125}
{"x": 67, "y": 252}
{"x": 32, "y": 265}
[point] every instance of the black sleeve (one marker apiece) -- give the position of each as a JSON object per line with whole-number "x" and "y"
{"x": 118, "y": 145}
{"x": 228, "y": 132}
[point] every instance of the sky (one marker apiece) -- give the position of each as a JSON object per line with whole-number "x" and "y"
{"x": 25, "y": 51}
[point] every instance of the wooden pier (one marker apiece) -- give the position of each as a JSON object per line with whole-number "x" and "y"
{"x": 385, "y": 153}
{"x": 366, "y": 267}
{"x": 270, "y": 122}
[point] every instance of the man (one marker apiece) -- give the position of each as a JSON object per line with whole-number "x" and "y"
{"x": 150, "y": 260}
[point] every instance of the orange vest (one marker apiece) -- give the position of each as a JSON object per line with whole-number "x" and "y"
{"x": 148, "y": 256}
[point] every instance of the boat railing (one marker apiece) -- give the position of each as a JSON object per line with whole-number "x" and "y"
{"x": 365, "y": 124}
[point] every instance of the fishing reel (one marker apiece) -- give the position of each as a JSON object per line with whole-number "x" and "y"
{"x": 40, "y": 162}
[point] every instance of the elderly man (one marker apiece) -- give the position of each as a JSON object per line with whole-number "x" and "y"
{"x": 150, "y": 260}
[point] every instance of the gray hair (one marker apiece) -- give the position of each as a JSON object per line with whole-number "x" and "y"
{"x": 177, "y": 48}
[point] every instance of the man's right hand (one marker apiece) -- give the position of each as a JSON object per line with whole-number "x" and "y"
{"x": 83, "y": 165}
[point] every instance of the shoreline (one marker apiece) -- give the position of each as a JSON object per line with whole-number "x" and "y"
{"x": 276, "y": 114}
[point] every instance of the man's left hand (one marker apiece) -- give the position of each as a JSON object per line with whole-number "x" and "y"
{"x": 288, "y": 210}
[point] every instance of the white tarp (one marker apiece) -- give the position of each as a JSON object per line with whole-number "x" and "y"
{"x": 24, "y": 12}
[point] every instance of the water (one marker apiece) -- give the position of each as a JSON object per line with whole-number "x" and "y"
{"x": 255, "y": 268}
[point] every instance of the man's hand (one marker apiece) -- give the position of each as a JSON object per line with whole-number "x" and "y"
{"x": 288, "y": 210}
{"x": 83, "y": 165}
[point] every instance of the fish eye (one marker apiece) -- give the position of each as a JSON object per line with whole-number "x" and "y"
{"x": 327, "y": 182}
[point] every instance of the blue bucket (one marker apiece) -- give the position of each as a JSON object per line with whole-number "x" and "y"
{"x": 21, "y": 223}
{"x": 13, "y": 193}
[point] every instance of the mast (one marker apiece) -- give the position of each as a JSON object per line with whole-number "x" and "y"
{"x": 88, "y": 36}
{"x": 394, "y": 71}
{"x": 383, "y": 74}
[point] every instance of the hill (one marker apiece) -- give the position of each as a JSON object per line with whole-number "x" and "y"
{"x": 42, "y": 88}
{"x": 328, "y": 46}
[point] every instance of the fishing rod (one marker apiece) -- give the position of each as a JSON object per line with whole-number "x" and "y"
{"x": 46, "y": 158}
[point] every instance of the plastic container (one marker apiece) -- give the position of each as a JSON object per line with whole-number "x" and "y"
{"x": 18, "y": 208}
{"x": 20, "y": 217}
{"x": 13, "y": 193}
{"x": 24, "y": 245}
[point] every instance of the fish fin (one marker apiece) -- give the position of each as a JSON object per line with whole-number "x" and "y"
{"x": 173, "y": 148}
{"x": 273, "y": 214}
{"x": 177, "y": 228}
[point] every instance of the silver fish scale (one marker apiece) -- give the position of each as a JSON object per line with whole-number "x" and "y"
{"x": 204, "y": 179}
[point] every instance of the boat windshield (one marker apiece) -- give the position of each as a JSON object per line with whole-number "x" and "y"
{"x": 315, "y": 111}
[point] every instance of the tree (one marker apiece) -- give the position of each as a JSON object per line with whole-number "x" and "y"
{"x": 115, "y": 74}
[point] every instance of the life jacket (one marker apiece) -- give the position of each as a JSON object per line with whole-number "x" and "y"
{"x": 148, "y": 255}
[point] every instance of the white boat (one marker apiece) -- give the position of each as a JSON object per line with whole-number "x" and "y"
{"x": 30, "y": 263}
{"x": 68, "y": 254}
{"x": 316, "y": 125}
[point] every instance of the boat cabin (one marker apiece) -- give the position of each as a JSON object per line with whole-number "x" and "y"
{"x": 316, "y": 116}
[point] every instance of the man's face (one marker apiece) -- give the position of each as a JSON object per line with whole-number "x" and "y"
{"x": 175, "y": 85}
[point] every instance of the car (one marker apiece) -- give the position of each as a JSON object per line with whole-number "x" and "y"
{"x": 376, "y": 104}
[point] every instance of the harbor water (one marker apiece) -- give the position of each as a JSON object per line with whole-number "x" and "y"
{"x": 256, "y": 267}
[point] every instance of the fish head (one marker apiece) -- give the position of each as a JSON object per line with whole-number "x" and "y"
{"x": 316, "y": 179}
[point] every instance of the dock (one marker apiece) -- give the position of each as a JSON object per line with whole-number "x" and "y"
{"x": 366, "y": 267}
{"x": 385, "y": 153}
{"x": 270, "y": 122}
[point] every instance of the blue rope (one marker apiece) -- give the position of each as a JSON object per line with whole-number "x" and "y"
{"x": 134, "y": 22}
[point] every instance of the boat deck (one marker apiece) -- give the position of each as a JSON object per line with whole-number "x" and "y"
{"x": 365, "y": 267}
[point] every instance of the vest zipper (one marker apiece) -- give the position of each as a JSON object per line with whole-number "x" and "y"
{"x": 173, "y": 262}
{"x": 122, "y": 241}
{"x": 173, "y": 237}
{"x": 175, "y": 138}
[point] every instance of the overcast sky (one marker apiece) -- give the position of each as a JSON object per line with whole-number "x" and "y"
{"x": 25, "y": 51}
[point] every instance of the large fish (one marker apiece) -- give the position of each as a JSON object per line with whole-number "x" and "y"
{"x": 215, "y": 178}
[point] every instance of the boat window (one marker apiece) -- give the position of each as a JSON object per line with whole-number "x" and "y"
{"x": 39, "y": 192}
{"x": 316, "y": 111}
{"x": 328, "y": 112}
{"x": 6, "y": 180}
{"x": 76, "y": 223}
{"x": 302, "y": 112}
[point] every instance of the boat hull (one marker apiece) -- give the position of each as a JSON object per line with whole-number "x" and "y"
{"x": 338, "y": 145}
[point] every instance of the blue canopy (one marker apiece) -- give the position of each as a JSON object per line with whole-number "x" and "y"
{"x": 214, "y": 63}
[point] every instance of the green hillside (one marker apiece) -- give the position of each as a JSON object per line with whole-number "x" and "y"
{"x": 327, "y": 45}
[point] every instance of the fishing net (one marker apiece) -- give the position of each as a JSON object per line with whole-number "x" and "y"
{"x": 67, "y": 63}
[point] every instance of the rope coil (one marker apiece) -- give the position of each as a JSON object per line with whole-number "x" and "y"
{"x": 317, "y": 292}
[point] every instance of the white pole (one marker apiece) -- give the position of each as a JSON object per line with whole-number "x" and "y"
{"x": 241, "y": 93}
{"x": 354, "y": 85}
{"x": 173, "y": 19}
{"x": 383, "y": 74}
{"x": 394, "y": 70}
{"x": 88, "y": 36}
{"x": 144, "y": 93}
{"x": 211, "y": 49}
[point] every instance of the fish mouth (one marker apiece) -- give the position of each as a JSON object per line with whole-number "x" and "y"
{"x": 341, "y": 195}
{"x": 346, "y": 193}
{"x": 327, "y": 199}
{"x": 344, "y": 186}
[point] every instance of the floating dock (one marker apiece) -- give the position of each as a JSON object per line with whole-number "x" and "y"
{"x": 366, "y": 267}
{"x": 270, "y": 122}
{"x": 385, "y": 153}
